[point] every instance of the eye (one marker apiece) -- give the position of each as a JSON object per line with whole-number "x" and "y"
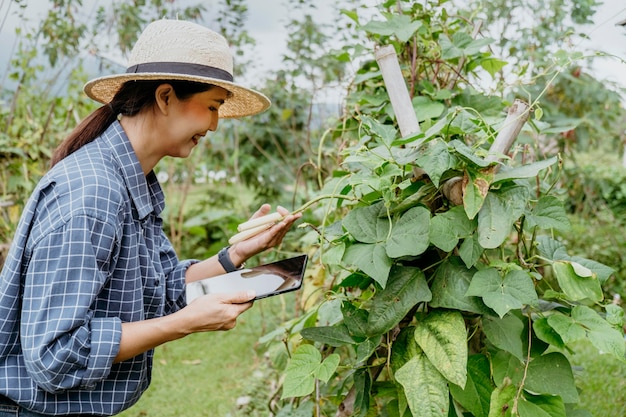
{"x": 213, "y": 108}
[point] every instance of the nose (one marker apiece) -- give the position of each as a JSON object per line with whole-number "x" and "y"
{"x": 213, "y": 123}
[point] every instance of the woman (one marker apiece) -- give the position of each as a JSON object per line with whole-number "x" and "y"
{"x": 91, "y": 284}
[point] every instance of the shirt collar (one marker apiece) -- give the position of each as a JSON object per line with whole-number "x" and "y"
{"x": 145, "y": 191}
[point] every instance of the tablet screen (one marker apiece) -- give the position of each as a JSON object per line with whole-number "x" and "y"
{"x": 266, "y": 280}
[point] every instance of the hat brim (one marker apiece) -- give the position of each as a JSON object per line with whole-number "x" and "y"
{"x": 243, "y": 102}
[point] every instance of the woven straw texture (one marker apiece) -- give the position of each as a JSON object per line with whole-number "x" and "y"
{"x": 179, "y": 41}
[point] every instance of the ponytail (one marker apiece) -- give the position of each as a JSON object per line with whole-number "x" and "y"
{"x": 90, "y": 128}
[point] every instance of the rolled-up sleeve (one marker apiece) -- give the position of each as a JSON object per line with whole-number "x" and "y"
{"x": 65, "y": 345}
{"x": 174, "y": 271}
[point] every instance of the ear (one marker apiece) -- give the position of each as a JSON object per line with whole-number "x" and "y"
{"x": 163, "y": 96}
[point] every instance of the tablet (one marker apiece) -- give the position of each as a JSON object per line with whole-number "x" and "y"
{"x": 266, "y": 280}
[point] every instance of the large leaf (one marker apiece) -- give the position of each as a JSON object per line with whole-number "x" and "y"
{"x": 566, "y": 327}
{"x": 549, "y": 213}
{"x": 404, "y": 348}
{"x": 541, "y": 406}
{"x": 513, "y": 291}
{"x": 368, "y": 224}
{"x": 448, "y": 227}
{"x": 426, "y": 108}
{"x": 502, "y": 399}
{"x": 498, "y": 213}
{"x": 476, "y": 187}
{"x": 577, "y": 282}
{"x": 507, "y": 369}
{"x": 406, "y": 287}
{"x": 300, "y": 372}
{"x": 506, "y": 334}
{"x": 371, "y": 259}
{"x": 476, "y": 394}
{"x": 304, "y": 367}
{"x": 409, "y": 236}
{"x": 601, "y": 334}
{"x": 400, "y": 25}
{"x": 470, "y": 250}
{"x": 425, "y": 388}
{"x": 330, "y": 335}
{"x": 552, "y": 374}
{"x": 436, "y": 160}
{"x": 449, "y": 286}
{"x": 355, "y": 319}
{"x": 443, "y": 338}
{"x": 524, "y": 171}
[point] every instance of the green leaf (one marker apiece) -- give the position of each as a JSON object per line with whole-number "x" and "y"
{"x": 513, "y": 291}
{"x": 300, "y": 372}
{"x": 425, "y": 388}
{"x": 368, "y": 224}
{"x": 436, "y": 160}
{"x": 492, "y": 65}
{"x": 331, "y": 335}
{"x": 476, "y": 394}
{"x": 501, "y": 402}
{"x": 304, "y": 367}
{"x": 355, "y": 319}
{"x": 545, "y": 332}
{"x": 500, "y": 210}
{"x": 566, "y": 327}
{"x": 552, "y": 374}
{"x": 443, "y": 338}
{"x": 577, "y": 287}
{"x": 506, "y": 333}
{"x": 387, "y": 133}
{"x": 541, "y": 406}
{"x": 551, "y": 249}
{"x": 602, "y": 271}
{"x": 442, "y": 232}
{"x": 328, "y": 367}
{"x": 362, "y": 387}
{"x": 425, "y": 108}
{"x": 404, "y": 348}
{"x": 549, "y": 213}
{"x": 524, "y": 171}
{"x": 468, "y": 154}
{"x": 365, "y": 349}
{"x": 409, "y": 236}
{"x": 470, "y": 250}
{"x": 407, "y": 287}
{"x": 448, "y": 227}
{"x": 507, "y": 369}
{"x": 450, "y": 283}
{"x": 601, "y": 334}
{"x": 371, "y": 259}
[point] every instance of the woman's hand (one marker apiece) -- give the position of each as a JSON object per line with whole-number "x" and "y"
{"x": 210, "y": 312}
{"x": 273, "y": 236}
{"x": 217, "y": 311}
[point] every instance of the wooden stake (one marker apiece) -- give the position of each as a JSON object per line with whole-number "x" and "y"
{"x": 396, "y": 88}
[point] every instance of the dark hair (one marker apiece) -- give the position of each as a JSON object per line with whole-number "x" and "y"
{"x": 129, "y": 100}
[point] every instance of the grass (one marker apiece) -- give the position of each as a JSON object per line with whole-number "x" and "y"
{"x": 204, "y": 373}
{"x": 601, "y": 379}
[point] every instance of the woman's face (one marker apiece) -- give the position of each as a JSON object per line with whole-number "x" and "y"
{"x": 191, "y": 119}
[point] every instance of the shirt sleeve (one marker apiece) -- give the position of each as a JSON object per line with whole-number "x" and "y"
{"x": 174, "y": 271}
{"x": 65, "y": 345}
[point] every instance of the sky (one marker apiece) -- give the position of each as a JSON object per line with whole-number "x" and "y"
{"x": 267, "y": 20}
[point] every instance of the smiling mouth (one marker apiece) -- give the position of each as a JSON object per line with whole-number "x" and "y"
{"x": 196, "y": 139}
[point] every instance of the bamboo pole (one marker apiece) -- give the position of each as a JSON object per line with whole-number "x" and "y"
{"x": 396, "y": 88}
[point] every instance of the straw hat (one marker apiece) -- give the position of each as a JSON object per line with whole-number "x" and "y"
{"x": 179, "y": 50}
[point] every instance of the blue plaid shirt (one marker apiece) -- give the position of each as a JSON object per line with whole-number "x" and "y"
{"x": 89, "y": 253}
